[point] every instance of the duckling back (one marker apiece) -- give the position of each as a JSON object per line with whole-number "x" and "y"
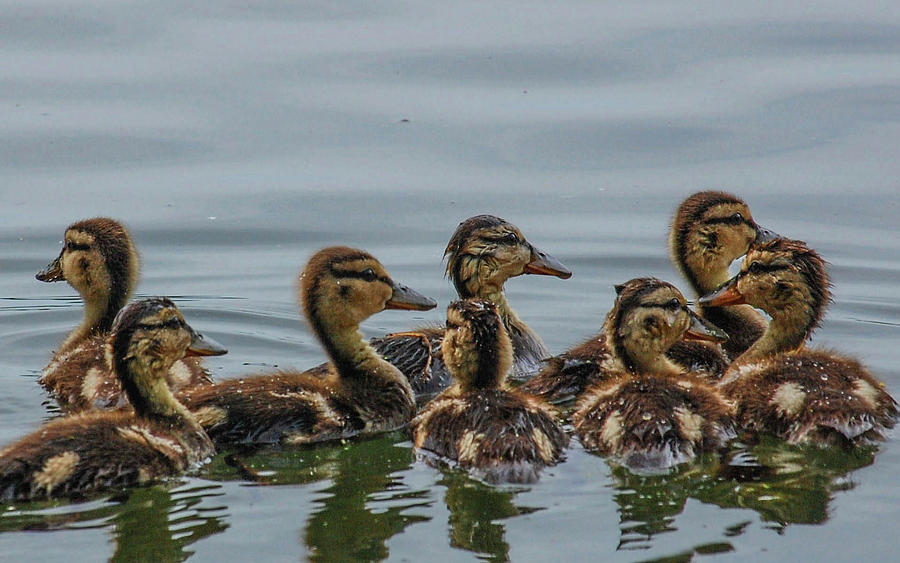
{"x": 498, "y": 434}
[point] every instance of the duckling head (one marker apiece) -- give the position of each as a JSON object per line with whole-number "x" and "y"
{"x": 476, "y": 346}
{"x": 710, "y": 229}
{"x": 649, "y": 316}
{"x": 485, "y": 251}
{"x": 786, "y": 279}
{"x": 99, "y": 260}
{"x": 340, "y": 287}
{"x": 147, "y": 337}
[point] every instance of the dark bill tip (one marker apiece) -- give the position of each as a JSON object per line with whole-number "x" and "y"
{"x": 702, "y": 329}
{"x": 545, "y": 265}
{"x": 204, "y": 346}
{"x": 765, "y": 235}
{"x": 52, "y": 273}
{"x": 407, "y": 299}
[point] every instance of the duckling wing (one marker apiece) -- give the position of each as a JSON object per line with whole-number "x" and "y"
{"x": 702, "y": 358}
{"x": 502, "y": 436}
{"x": 652, "y": 423}
{"x": 812, "y": 396}
{"x": 282, "y": 407}
{"x": 85, "y": 453}
{"x": 568, "y": 374}
{"x": 418, "y": 355}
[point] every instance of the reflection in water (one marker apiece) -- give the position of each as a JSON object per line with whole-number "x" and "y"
{"x": 146, "y": 524}
{"x": 475, "y": 509}
{"x": 785, "y": 484}
{"x": 365, "y": 503}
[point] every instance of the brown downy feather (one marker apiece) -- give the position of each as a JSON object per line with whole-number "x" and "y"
{"x": 358, "y": 392}
{"x": 652, "y": 414}
{"x": 709, "y": 231}
{"x": 95, "y": 451}
{"x": 99, "y": 260}
{"x": 780, "y": 386}
{"x": 482, "y": 254}
{"x": 498, "y": 434}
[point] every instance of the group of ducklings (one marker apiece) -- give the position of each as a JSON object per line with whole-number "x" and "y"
{"x": 658, "y": 385}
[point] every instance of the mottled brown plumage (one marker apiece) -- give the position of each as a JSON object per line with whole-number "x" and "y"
{"x": 498, "y": 434}
{"x": 358, "y": 392}
{"x": 651, "y": 414}
{"x": 593, "y": 361}
{"x": 95, "y": 451}
{"x": 709, "y": 231}
{"x": 482, "y": 254}
{"x": 779, "y": 386}
{"x": 100, "y": 261}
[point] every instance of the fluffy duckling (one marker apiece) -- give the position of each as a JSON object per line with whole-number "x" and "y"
{"x": 499, "y": 434}
{"x": 482, "y": 254}
{"x": 799, "y": 394}
{"x": 99, "y": 260}
{"x": 93, "y": 451}
{"x": 652, "y": 415}
{"x": 357, "y": 393}
{"x": 709, "y": 231}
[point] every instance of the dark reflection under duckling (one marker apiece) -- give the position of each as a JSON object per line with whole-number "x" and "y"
{"x": 652, "y": 415}
{"x": 97, "y": 451}
{"x": 800, "y": 394}
{"x": 497, "y": 433}
{"x": 357, "y": 393}
{"x": 100, "y": 261}
{"x": 483, "y": 253}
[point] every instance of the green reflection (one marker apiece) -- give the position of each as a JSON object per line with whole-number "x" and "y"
{"x": 145, "y": 524}
{"x": 784, "y": 484}
{"x": 365, "y": 503}
{"x": 476, "y": 513}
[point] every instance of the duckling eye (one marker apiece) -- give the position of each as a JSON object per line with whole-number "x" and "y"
{"x": 72, "y": 245}
{"x": 673, "y": 304}
{"x": 510, "y": 238}
{"x": 369, "y": 275}
{"x": 737, "y": 216}
{"x": 755, "y": 268}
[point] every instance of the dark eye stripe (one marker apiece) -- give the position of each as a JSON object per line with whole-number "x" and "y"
{"x": 761, "y": 268}
{"x": 171, "y": 323}
{"x": 76, "y": 246}
{"x": 358, "y": 275}
{"x": 730, "y": 220}
{"x": 659, "y": 306}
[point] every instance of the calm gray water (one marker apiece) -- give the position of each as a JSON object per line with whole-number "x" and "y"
{"x": 237, "y": 138}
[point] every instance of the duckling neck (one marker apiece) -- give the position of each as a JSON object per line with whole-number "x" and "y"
{"x": 99, "y": 312}
{"x": 148, "y": 391}
{"x": 528, "y": 348}
{"x": 787, "y": 331}
{"x": 706, "y": 268}
{"x": 355, "y": 360}
{"x": 643, "y": 358}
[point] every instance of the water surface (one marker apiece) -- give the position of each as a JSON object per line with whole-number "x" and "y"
{"x": 235, "y": 139}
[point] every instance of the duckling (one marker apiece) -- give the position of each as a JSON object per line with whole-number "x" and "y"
{"x": 482, "y": 254}
{"x": 709, "y": 231}
{"x": 799, "y": 394}
{"x": 100, "y": 261}
{"x": 357, "y": 393}
{"x": 93, "y": 451}
{"x": 652, "y": 414}
{"x": 499, "y": 434}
